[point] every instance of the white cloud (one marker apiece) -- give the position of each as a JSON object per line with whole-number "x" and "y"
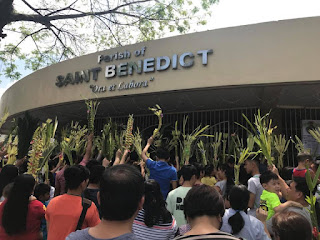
{"x": 228, "y": 13}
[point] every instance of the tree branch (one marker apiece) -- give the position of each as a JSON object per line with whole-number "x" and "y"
{"x": 32, "y": 8}
{"x": 47, "y": 19}
{"x": 25, "y": 37}
{"x": 62, "y": 9}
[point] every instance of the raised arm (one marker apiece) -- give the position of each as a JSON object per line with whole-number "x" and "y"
{"x": 118, "y": 157}
{"x": 286, "y": 205}
{"x": 19, "y": 162}
{"x": 124, "y": 156}
{"x": 177, "y": 163}
{"x": 284, "y": 186}
{"x": 145, "y": 150}
{"x": 87, "y": 155}
{"x": 59, "y": 163}
{"x": 100, "y": 157}
{"x": 142, "y": 165}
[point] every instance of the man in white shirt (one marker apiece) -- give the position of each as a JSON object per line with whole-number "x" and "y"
{"x": 176, "y": 197}
{"x": 254, "y": 185}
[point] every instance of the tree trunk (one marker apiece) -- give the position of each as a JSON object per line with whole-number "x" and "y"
{"x": 6, "y": 9}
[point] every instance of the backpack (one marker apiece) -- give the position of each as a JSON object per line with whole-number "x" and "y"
{"x": 86, "y": 203}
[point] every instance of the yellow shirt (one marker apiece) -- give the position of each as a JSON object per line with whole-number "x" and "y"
{"x": 210, "y": 181}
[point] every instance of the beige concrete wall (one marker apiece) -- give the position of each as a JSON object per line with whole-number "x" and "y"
{"x": 275, "y": 52}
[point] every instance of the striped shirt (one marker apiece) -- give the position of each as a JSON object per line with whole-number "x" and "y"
{"x": 216, "y": 236}
{"x": 159, "y": 231}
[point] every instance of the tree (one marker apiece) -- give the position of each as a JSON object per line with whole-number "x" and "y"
{"x": 62, "y": 29}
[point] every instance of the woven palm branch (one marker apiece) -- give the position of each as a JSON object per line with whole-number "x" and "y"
{"x": 262, "y": 131}
{"x": 129, "y": 136}
{"x": 174, "y": 142}
{"x": 281, "y": 146}
{"x": 188, "y": 140}
{"x": 92, "y": 109}
{"x": 158, "y": 112}
{"x": 202, "y": 150}
{"x": 216, "y": 148}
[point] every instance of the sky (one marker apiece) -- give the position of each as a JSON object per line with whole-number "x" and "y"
{"x": 229, "y": 13}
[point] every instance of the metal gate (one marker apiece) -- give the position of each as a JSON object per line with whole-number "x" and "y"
{"x": 219, "y": 121}
{"x": 224, "y": 121}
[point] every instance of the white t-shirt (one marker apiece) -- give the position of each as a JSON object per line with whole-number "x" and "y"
{"x": 255, "y": 187}
{"x": 223, "y": 186}
{"x": 253, "y": 229}
{"x": 175, "y": 205}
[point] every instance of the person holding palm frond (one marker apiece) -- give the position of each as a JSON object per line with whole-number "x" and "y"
{"x": 160, "y": 170}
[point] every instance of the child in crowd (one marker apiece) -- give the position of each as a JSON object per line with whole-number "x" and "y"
{"x": 42, "y": 193}
{"x": 254, "y": 186}
{"x": 160, "y": 170}
{"x": 237, "y": 222}
{"x": 225, "y": 182}
{"x": 199, "y": 174}
{"x": 208, "y": 178}
{"x": 269, "y": 200}
{"x": 304, "y": 160}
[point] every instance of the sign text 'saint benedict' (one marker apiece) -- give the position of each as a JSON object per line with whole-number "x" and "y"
{"x": 146, "y": 65}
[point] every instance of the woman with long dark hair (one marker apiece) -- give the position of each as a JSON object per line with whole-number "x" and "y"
{"x": 21, "y": 214}
{"x": 154, "y": 221}
{"x": 237, "y": 222}
{"x": 225, "y": 182}
{"x": 7, "y": 175}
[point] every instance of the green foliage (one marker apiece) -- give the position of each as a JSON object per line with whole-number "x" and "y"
{"x": 120, "y": 137}
{"x": 137, "y": 142}
{"x": 261, "y": 130}
{"x": 188, "y": 140}
{"x": 281, "y": 146}
{"x": 216, "y": 148}
{"x": 225, "y": 137}
{"x": 92, "y": 109}
{"x": 242, "y": 153}
{"x": 106, "y": 143}
{"x": 299, "y": 145}
{"x": 129, "y": 138}
{"x": 312, "y": 200}
{"x": 174, "y": 142}
{"x": 43, "y": 144}
{"x": 73, "y": 139}
{"x": 26, "y": 127}
{"x": 202, "y": 150}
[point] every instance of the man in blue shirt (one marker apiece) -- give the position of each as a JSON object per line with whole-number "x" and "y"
{"x": 160, "y": 170}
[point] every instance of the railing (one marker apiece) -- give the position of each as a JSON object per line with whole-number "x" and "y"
{"x": 223, "y": 121}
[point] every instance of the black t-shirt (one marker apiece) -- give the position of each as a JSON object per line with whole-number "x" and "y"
{"x": 91, "y": 194}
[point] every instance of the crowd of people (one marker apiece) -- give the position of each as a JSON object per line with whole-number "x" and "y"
{"x": 136, "y": 197}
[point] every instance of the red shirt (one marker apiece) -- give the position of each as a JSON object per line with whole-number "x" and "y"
{"x": 36, "y": 211}
{"x": 299, "y": 172}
